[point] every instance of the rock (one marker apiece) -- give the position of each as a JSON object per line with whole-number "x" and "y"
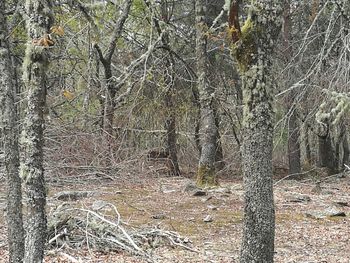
{"x": 159, "y": 216}
{"x": 222, "y": 190}
{"x": 329, "y": 212}
{"x": 298, "y": 198}
{"x": 212, "y": 207}
{"x": 199, "y": 193}
{"x": 186, "y": 240}
{"x": 333, "y": 211}
{"x": 73, "y": 195}
{"x": 168, "y": 191}
{"x": 206, "y": 199}
{"x": 341, "y": 203}
{"x": 208, "y": 219}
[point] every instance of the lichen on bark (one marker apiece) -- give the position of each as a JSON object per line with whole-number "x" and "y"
{"x": 206, "y": 176}
{"x": 252, "y": 53}
{"x": 32, "y": 171}
{"x": 9, "y": 141}
{"x": 209, "y": 138}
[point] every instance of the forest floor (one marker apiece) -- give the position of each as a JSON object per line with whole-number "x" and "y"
{"x": 304, "y": 230}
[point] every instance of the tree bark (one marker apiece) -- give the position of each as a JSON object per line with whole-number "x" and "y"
{"x": 293, "y": 125}
{"x": 307, "y": 143}
{"x": 169, "y": 100}
{"x": 294, "y": 145}
{"x": 252, "y": 50}
{"x": 9, "y": 132}
{"x": 346, "y": 151}
{"x": 106, "y": 61}
{"x": 32, "y": 171}
{"x": 206, "y": 174}
{"x": 327, "y": 151}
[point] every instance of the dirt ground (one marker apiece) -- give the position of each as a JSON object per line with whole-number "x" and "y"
{"x": 162, "y": 202}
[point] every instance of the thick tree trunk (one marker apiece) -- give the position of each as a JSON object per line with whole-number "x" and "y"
{"x": 9, "y": 133}
{"x": 327, "y": 152}
{"x": 252, "y": 49}
{"x": 32, "y": 170}
{"x": 206, "y": 174}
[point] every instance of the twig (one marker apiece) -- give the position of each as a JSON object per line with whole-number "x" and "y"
{"x": 289, "y": 175}
{"x": 63, "y": 233}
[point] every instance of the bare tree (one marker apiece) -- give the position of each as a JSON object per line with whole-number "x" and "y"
{"x": 106, "y": 60}
{"x": 252, "y": 49}
{"x": 39, "y": 22}
{"x": 9, "y": 131}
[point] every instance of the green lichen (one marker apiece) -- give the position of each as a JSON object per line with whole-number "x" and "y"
{"x": 23, "y": 173}
{"x": 245, "y": 49}
{"x": 206, "y": 176}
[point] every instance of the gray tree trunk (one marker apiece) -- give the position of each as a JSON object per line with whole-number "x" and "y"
{"x": 327, "y": 150}
{"x": 307, "y": 143}
{"x": 111, "y": 87}
{"x": 294, "y": 145}
{"x": 293, "y": 125}
{"x": 169, "y": 100}
{"x": 252, "y": 49}
{"x": 346, "y": 151}
{"x": 32, "y": 171}
{"x": 206, "y": 174}
{"x": 9, "y": 132}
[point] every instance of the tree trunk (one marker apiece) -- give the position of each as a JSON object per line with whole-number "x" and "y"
{"x": 294, "y": 146}
{"x": 170, "y": 126}
{"x": 206, "y": 174}
{"x": 108, "y": 114}
{"x": 9, "y": 133}
{"x": 293, "y": 125}
{"x": 308, "y": 154}
{"x": 110, "y": 85}
{"x": 213, "y": 10}
{"x": 252, "y": 49}
{"x": 346, "y": 151}
{"x": 32, "y": 171}
{"x": 326, "y": 152}
{"x": 170, "y": 122}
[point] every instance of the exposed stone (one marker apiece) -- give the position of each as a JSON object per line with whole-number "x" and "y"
{"x": 73, "y": 195}
{"x": 159, "y": 216}
{"x": 329, "y": 212}
{"x": 299, "y": 198}
{"x": 208, "y": 219}
{"x": 199, "y": 193}
{"x": 341, "y": 203}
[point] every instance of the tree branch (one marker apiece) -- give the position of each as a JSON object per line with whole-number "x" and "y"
{"x": 118, "y": 29}
{"x": 233, "y": 21}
